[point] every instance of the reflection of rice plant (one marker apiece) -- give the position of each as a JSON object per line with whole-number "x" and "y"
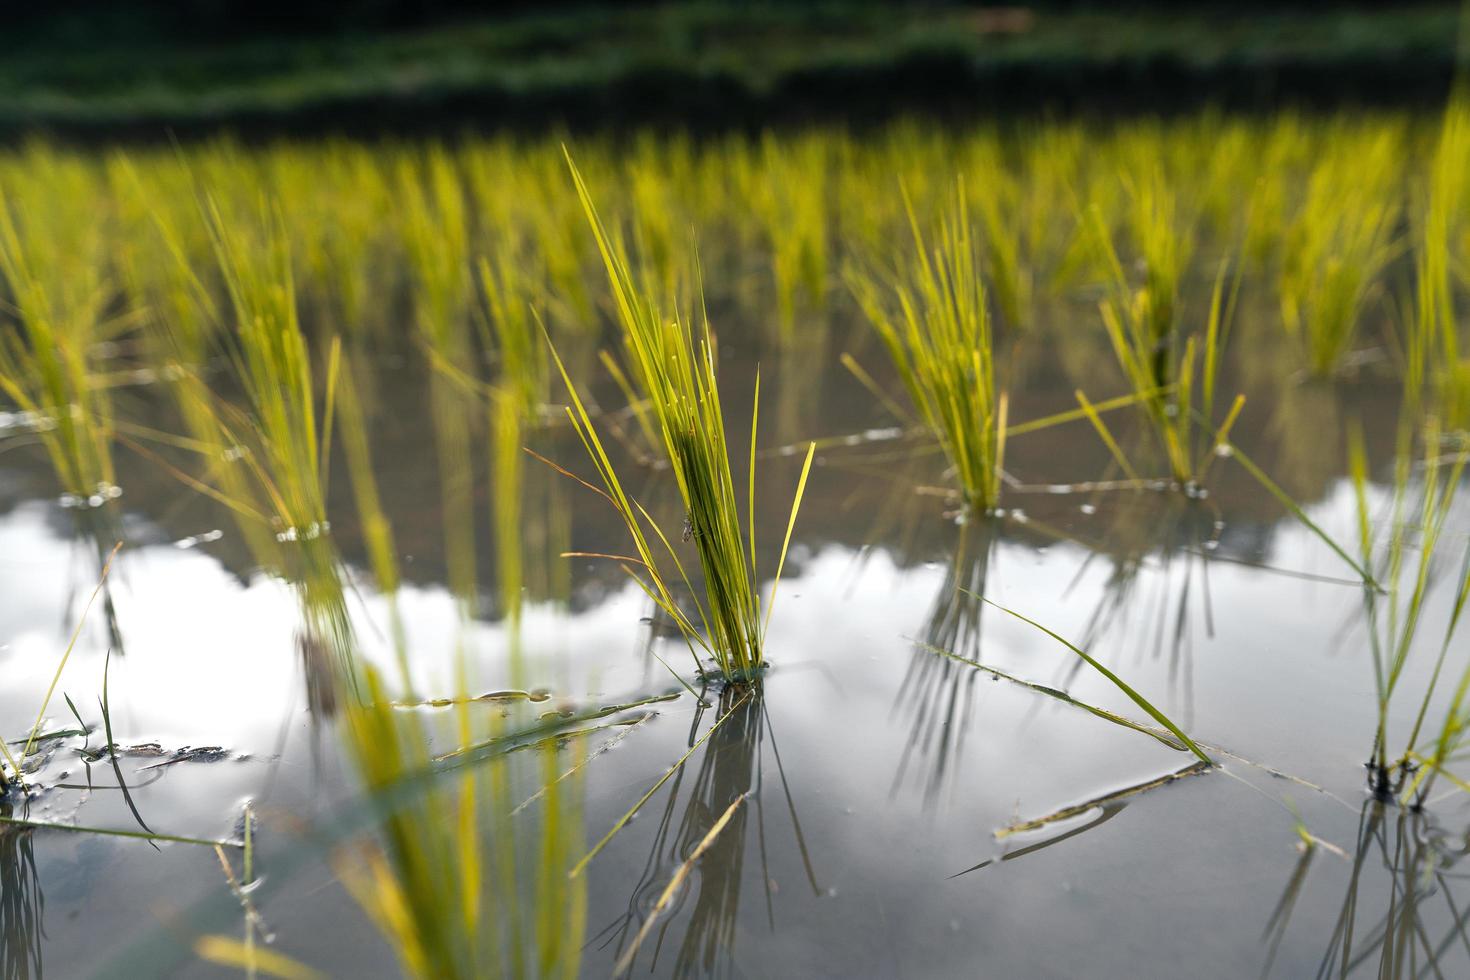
{"x": 712, "y": 831}
{"x": 674, "y": 364}
{"x": 22, "y": 904}
{"x": 940, "y": 342}
{"x": 1172, "y": 551}
{"x": 938, "y": 691}
{"x": 1415, "y": 934}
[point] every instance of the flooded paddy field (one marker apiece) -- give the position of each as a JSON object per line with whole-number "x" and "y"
{"x": 1094, "y": 600}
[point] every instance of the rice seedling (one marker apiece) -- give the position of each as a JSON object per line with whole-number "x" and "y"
{"x": 1339, "y": 242}
{"x": 52, "y": 354}
{"x": 940, "y": 342}
{"x": 164, "y": 258}
{"x": 460, "y": 885}
{"x": 507, "y": 427}
{"x": 435, "y": 233}
{"x": 1024, "y": 193}
{"x": 789, "y": 200}
{"x": 275, "y": 370}
{"x": 659, "y": 235}
{"x": 1010, "y": 275}
{"x": 1174, "y": 378}
{"x": 1164, "y": 240}
{"x": 674, "y": 363}
{"x": 510, "y": 297}
{"x": 337, "y": 196}
{"x": 1434, "y": 359}
{"x": 1394, "y": 608}
{"x": 1283, "y": 154}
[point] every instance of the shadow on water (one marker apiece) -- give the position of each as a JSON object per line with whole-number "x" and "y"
{"x": 710, "y": 822}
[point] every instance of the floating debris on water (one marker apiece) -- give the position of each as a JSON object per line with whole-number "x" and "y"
{"x": 195, "y": 540}
{"x": 310, "y": 532}
{"x": 99, "y": 496}
{"x": 25, "y": 421}
{"x": 535, "y": 697}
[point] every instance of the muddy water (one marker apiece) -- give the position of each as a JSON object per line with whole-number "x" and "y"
{"x": 872, "y": 781}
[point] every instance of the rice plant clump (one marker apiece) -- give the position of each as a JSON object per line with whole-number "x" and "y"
{"x": 1395, "y": 614}
{"x": 51, "y": 250}
{"x": 940, "y": 341}
{"x": 1173, "y": 376}
{"x": 1436, "y": 360}
{"x": 452, "y": 879}
{"x": 1339, "y": 244}
{"x": 673, "y": 363}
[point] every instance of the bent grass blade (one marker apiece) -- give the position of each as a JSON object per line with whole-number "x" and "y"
{"x": 1117, "y": 681}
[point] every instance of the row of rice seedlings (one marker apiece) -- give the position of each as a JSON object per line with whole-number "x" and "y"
{"x": 1010, "y": 275}
{"x": 53, "y": 355}
{"x": 1339, "y": 242}
{"x": 274, "y": 366}
{"x": 267, "y": 458}
{"x": 1029, "y": 216}
{"x": 674, "y": 364}
{"x": 796, "y": 200}
{"x": 1163, "y": 239}
{"x": 661, "y": 243}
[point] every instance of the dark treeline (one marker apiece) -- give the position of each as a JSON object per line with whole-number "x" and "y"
{"x": 108, "y": 21}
